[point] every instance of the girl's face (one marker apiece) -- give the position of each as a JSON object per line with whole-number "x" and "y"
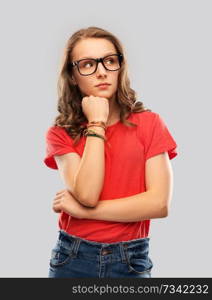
{"x": 95, "y": 48}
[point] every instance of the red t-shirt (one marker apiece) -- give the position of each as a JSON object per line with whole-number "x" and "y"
{"x": 125, "y": 159}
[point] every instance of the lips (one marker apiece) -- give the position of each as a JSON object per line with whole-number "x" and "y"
{"x": 103, "y": 84}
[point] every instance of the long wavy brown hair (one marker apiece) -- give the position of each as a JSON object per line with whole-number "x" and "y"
{"x": 71, "y": 116}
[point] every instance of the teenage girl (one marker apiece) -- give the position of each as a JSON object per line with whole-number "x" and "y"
{"x": 113, "y": 156}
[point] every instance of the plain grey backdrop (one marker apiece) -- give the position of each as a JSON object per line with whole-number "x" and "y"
{"x": 168, "y": 45}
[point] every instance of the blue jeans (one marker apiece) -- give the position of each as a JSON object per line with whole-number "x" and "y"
{"x": 74, "y": 257}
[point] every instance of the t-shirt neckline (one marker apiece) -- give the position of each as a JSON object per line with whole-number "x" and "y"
{"x": 112, "y": 125}
{"x": 117, "y": 123}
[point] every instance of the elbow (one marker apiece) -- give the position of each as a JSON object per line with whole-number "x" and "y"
{"x": 86, "y": 200}
{"x": 164, "y": 209}
{"x": 89, "y": 202}
{"x": 91, "y": 205}
{"x": 164, "y": 212}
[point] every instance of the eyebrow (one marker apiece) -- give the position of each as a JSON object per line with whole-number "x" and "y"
{"x": 86, "y": 57}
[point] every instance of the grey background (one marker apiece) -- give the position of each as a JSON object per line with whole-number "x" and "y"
{"x": 168, "y": 46}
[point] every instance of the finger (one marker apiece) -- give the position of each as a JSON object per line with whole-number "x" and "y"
{"x": 56, "y": 207}
{"x": 58, "y": 197}
{"x": 56, "y": 202}
{"x": 60, "y": 192}
{"x": 56, "y": 210}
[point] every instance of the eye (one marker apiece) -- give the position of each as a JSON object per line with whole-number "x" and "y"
{"x": 110, "y": 61}
{"x": 87, "y": 64}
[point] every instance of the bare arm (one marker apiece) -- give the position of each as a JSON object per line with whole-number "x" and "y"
{"x": 89, "y": 178}
{"x": 154, "y": 203}
{"x": 84, "y": 176}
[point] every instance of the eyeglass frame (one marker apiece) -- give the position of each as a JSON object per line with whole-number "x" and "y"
{"x": 98, "y": 60}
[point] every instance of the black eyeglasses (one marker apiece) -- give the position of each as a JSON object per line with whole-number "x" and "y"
{"x": 89, "y": 66}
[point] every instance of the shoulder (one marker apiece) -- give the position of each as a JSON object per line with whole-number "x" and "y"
{"x": 53, "y": 132}
{"x": 145, "y": 118}
{"x": 54, "y": 129}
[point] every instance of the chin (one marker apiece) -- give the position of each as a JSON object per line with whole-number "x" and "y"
{"x": 104, "y": 94}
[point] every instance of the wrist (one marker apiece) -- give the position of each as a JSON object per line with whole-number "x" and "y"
{"x": 96, "y": 124}
{"x": 97, "y": 129}
{"x": 99, "y": 120}
{"x": 89, "y": 213}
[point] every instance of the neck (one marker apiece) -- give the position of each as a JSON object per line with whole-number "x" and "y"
{"x": 114, "y": 111}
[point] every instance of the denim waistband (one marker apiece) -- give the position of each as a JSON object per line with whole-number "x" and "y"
{"x": 91, "y": 248}
{"x": 71, "y": 237}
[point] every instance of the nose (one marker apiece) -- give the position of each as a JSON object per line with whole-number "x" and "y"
{"x": 101, "y": 69}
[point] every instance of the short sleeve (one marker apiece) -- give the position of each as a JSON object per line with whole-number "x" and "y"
{"x": 159, "y": 139}
{"x": 58, "y": 142}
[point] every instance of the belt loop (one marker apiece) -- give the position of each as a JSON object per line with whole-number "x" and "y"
{"x": 75, "y": 247}
{"x": 122, "y": 251}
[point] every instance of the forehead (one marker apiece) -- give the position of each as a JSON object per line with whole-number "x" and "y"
{"x": 92, "y": 48}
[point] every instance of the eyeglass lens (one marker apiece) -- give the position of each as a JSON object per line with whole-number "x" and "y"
{"x": 88, "y": 66}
